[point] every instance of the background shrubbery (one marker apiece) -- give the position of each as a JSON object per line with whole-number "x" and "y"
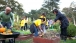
{"x": 71, "y": 30}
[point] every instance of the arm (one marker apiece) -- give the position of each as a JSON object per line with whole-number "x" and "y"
{"x": 40, "y": 27}
{"x": 1, "y": 15}
{"x": 12, "y": 19}
{"x": 57, "y": 18}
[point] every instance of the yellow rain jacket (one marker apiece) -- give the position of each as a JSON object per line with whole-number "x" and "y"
{"x": 37, "y": 22}
{"x": 22, "y": 22}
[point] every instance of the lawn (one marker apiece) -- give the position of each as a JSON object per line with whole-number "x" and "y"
{"x": 26, "y": 32}
{"x": 25, "y": 41}
{"x": 69, "y": 41}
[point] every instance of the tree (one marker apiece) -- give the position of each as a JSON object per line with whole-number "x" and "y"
{"x": 34, "y": 14}
{"x": 2, "y": 5}
{"x": 71, "y": 12}
{"x": 16, "y": 6}
{"x": 51, "y": 4}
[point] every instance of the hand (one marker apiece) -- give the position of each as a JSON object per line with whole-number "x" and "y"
{"x": 11, "y": 26}
{"x": 1, "y": 25}
{"x": 41, "y": 31}
{"x": 53, "y": 22}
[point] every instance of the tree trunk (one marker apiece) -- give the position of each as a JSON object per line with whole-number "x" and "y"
{"x": 73, "y": 19}
{"x": 17, "y": 18}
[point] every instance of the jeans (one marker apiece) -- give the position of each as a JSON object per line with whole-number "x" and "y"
{"x": 34, "y": 30}
{"x": 8, "y": 25}
{"x": 43, "y": 27}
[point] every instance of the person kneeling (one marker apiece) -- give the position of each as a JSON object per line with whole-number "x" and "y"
{"x": 36, "y": 26}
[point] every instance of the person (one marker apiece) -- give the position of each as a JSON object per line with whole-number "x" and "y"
{"x": 64, "y": 23}
{"x": 43, "y": 25}
{"x": 7, "y": 20}
{"x": 26, "y": 22}
{"x": 50, "y": 22}
{"x": 46, "y": 25}
{"x": 36, "y": 26}
{"x": 22, "y": 24}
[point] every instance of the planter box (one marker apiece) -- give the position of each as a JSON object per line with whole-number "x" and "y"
{"x": 43, "y": 40}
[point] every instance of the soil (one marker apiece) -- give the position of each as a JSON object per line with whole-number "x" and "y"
{"x": 50, "y": 34}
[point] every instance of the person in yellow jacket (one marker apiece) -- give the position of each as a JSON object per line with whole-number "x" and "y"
{"x": 22, "y": 23}
{"x": 43, "y": 16}
{"x": 43, "y": 25}
{"x": 36, "y": 26}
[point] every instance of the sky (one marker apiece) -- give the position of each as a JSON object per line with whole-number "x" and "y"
{"x": 28, "y": 5}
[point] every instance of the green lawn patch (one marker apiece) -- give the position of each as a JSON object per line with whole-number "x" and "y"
{"x": 25, "y": 41}
{"x": 26, "y": 32}
{"x": 69, "y": 41}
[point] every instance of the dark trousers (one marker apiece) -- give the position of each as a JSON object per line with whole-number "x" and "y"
{"x": 34, "y": 29}
{"x": 8, "y": 25}
{"x": 25, "y": 27}
{"x": 22, "y": 27}
{"x": 63, "y": 33}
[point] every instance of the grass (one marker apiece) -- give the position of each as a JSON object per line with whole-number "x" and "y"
{"x": 69, "y": 41}
{"x": 25, "y": 41}
{"x": 26, "y": 32}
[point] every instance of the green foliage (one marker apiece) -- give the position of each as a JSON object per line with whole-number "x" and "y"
{"x": 51, "y": 4}
{"x": 68, "y": 41}
{"x": 48, "y": 6}
{"x": 70, "y": 13}
{"x": 34, "y": 14}
{"x": 23, "y": 32}
{"x": 16, "y": 25}
{"x": 56, "y": 25}
{"x": 25, "y": 41}
{"x": 15, "y": 6}
{"x": 71, "y": 30}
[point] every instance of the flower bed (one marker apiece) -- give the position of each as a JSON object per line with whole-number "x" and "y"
{"x": 49, "y": 37}
{"x": 43, "y": 40}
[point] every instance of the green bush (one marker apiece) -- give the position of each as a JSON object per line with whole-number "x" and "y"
{"x": 71, "y": 30}
{"x": 16, "y": 25}
{"x": 56, "y": 25}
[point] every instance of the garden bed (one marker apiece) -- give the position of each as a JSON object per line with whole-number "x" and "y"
{"x": 49, "y": 37}
{"x": 43, "y": 40}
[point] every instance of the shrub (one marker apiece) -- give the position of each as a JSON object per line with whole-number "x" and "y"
{"x": 16, "y": 25}
{"x": 71, "y": 30}
{"x": 56, "y": 26}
